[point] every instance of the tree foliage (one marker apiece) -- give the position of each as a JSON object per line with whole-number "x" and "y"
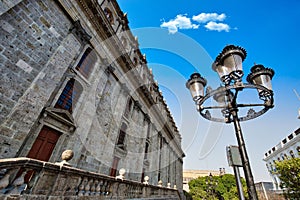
{"x": 221, "y": 187}
{"x": 289, "y": 173}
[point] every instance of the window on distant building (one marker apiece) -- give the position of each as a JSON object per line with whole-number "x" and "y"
{"x": 114, "y": 167}
{"x": 271, "y": 167}
{"x": 292, "y": 154}
{"x": 69, "y": 96}
{"x": 297, "y": 131}
{"x": 122, "y": 135}
{"x": 284, "y": 141}
{"x": 87, "y": 62}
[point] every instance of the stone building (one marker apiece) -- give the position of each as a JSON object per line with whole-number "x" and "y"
{"x": 288, "y": 147}
{"x": 190, "y": 174}
{"x": 73, "y": 77}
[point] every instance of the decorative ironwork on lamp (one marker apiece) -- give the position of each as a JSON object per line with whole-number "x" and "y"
{"x": 228, "y": 65}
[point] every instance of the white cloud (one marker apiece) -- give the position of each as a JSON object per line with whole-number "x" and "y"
{"x": 180, "y": 22}
{"x": 205, "y": 17}
{"x": 217, "y": 26}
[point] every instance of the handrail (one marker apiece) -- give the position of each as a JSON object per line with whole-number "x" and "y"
{"x": 30, "y": 177}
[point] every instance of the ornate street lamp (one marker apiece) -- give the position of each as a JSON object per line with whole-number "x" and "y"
{"x": 228, "y": 65}
{"x": 210, "y": 185}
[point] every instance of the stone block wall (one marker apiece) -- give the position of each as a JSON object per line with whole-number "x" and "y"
{"x": 39, "y": 51}
{"x": 35, "y": 51}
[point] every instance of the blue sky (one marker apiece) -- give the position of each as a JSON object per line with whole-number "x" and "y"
{"x": 181, "y": 37}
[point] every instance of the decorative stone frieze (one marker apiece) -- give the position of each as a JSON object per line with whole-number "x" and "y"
{"x": 80, "y": 33}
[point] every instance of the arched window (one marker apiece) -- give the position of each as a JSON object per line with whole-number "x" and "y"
{"x": 128, "y": 108}
{"x": 87, "y": 62}
{"x": 146, "y": 149}
{"x": 122, "y": 135}
{"x": 69, "y": 96}
{"x": 109, "y": 15}
{"x": 292, "y": 154}
{"x": 124, "y": 41}
{"x": 135, "y": 61}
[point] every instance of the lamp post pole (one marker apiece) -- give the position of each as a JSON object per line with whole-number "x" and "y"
{"x": 210, "y": 191}
{"x": 244, "y": 157}
{"x": 228, "y": 65}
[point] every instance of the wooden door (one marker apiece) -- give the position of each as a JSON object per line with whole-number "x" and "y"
{"x": 44, "y": 144}
{"x": 41, "y": 149}
{"x": 114, "y": 167}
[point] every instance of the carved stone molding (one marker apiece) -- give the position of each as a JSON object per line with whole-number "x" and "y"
{"x": 137, "y": 105}
{"x": 80, "y": 33}
{"x": 125, "y": 88}
{"x": 59, "y": 118}
{"x": 109, "y": 69}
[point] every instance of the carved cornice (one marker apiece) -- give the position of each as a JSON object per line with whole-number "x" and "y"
{"x": 120, "y": 151}
{"x": 59, "y": 118}
{"x": 147, "y": 118}
{"x": 125, "y": 88}
{"x": 137, "y": 105}
{"x": 79, "y": 32}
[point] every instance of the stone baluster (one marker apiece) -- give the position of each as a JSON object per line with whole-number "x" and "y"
{"x": 107, "y": 188}
{"x": 140, "y": 191}
{"x": 102, "y": 187}
{"x": 18, "y": 184}
{"x": 93, "y": 188}
{"x": 82, "y": 186}
{"x": 87, "y": 188}
{"x": 98, "y": 188}
{"x": 129, "y": 190}
{"x": 4, "y": 181}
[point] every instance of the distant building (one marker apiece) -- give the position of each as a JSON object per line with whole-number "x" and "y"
{"x": 288, "y": 147}
{"x": 189, "y": 175}
{"x": 265, "y": 191}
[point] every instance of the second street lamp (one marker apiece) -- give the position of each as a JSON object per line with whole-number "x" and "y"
{"x": 228, "y": 65}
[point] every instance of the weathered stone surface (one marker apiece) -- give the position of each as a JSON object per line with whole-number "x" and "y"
{"x": 41, "y": 44}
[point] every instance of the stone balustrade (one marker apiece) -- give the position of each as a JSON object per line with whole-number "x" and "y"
{"x": 25, "y": 178}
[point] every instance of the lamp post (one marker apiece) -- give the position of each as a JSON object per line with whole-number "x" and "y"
{"x": 228, "y": 65}
{"x": 211, "y": 185}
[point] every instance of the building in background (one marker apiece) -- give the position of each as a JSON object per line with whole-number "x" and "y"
{"x": 73, "y": 77}
{"x": 189, "y": 175}
{"x": 288, "y": 147}
{"x": 265, "y": 191}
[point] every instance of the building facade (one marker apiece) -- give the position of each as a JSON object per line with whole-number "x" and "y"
{"x": 265, "y": 191}
{"x": 73, "y": 77}
{"x": 190, "y": 174}
{"x": 288, "y": 147}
